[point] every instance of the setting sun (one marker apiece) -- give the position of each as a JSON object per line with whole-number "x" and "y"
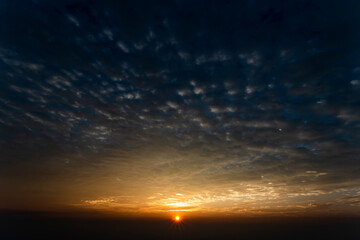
{"x": 177, "y": 218}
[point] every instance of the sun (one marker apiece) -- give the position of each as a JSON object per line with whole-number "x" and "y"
{"x": 177, "y": 218}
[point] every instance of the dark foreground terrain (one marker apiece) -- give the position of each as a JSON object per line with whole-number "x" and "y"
{"x": 45, "y": 226}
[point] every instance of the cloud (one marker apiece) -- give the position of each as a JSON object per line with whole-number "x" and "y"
{"x": 172, "y": 96}
{"x": 122, "y": 46}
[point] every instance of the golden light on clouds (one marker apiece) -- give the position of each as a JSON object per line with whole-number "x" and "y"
{"x": 247, "y": 200}
{"x": 166, "y": 181}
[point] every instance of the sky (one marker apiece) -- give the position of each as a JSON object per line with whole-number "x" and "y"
{"x": 231, "y": 108}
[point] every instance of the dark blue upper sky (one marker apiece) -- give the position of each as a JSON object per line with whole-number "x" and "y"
{"x": 229, "y": 93}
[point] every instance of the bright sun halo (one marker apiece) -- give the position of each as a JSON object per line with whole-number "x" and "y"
{"x": 177, "y": 219}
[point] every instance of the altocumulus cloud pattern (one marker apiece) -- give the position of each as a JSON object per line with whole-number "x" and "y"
{"x": 243, "y": 101}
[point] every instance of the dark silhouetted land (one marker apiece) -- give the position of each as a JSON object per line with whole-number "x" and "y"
{"x": 27, "y": 225}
